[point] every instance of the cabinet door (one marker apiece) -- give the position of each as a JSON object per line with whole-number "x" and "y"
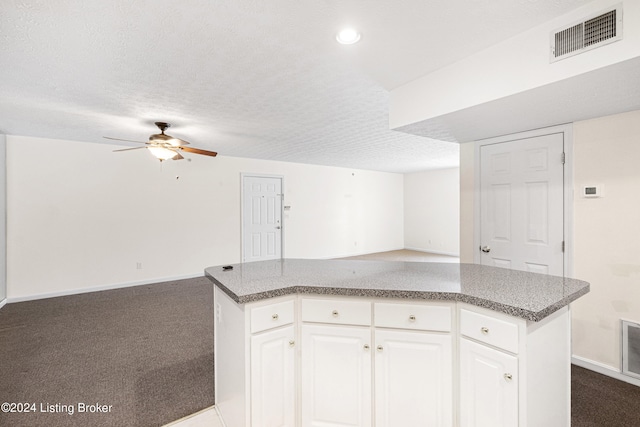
{"x": 272, "y": 378}
{"x": 413, "y": 379}
{"x": 488, "y": 386}
{"x": 336, "y": 376}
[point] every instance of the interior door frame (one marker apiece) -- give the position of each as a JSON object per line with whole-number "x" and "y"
{"x": 282, "y": 227}
{"x": 568, "y": 192}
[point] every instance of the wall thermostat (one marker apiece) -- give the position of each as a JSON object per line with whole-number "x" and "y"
{"x": 593, "y": 191}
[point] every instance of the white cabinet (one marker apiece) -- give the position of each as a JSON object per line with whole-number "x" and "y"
{"x": 412, "y": 364}
{"x": 336, "y": 376}
{"x": 273, "y": 378}
{"x": 489, "y": 374}
{"x": 513, "y": 372}
{"x": 413, "y": 379}
{"x": 488, "y": 386}
{"x": 371, "y": 362}
{"x": 255, "y": 361}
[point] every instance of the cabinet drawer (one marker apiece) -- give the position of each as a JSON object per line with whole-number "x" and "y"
{"x": 496, "y": 332}
{"x": 413, "y": 316}
{"x": 271, "y": 316}
{"x": 336, "y": 311}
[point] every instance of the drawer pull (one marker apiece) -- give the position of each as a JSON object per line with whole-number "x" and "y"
{"x": 334, "y": 313}
{"x": 292, "y": 343}
{"x": 366, "y": 346}
{"x": 508, "y": 377}
{"x": 412, "y": 318}
{"x": 380, "y": 348}
{"x": 484, "y": 330}
{"x": 274, "y": 316}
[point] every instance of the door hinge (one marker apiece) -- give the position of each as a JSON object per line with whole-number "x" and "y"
{"x": 563, "y": 246}
{"x": 563, "y": 158}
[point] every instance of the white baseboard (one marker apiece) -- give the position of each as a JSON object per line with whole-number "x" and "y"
{"x": 432, "y": 251}
{"x": 99, "y": 288}
{"x": 603, "y": 369}
{"x": 3, "y": 302}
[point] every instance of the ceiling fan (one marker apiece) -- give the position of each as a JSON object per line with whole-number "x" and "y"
{"x": 164, "y": 146}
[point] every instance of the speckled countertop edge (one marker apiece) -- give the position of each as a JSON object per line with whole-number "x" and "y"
{"x": 402, "y": 294}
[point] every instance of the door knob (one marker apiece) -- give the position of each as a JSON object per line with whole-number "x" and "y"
{"x": 485, "y": 249}
{"x": 277, "y": 227}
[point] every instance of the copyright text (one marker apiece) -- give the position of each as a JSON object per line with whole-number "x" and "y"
{"x": 56, "y": 408}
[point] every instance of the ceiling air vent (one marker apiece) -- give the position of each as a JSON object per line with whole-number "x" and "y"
{"x": 591, "y": 33}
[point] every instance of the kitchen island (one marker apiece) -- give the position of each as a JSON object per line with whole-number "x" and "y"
{"x": 363, "y": 343}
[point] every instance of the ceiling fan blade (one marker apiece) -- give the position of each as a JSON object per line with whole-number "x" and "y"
{"x": 197, "y": 151}
{"x": 129, "y": 149}
{"x": 126, "y": 140}
{"x": 178, "y": 157}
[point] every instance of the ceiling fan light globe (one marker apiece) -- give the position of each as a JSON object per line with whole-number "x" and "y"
{"x": 162, "y": 153}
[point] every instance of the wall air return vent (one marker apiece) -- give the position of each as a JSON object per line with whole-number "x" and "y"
{"x": 591, "y": 33}
{"x": 631, "y": 349}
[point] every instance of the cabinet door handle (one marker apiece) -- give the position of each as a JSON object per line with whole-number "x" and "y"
{"x": 274, "y": 316}
{"x": 334, "y": 313}
{"x": 380, "y": 348}
{"x": 412, "y": 318}
{"x": 484, "y": 330}
{"x": 292, "y": 343}
{"x": 366, "y": 346}
{"x": 508, "y": 377}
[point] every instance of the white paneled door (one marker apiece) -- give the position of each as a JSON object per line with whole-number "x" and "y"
{"x": 521, "y": 204}
{"x": 261, "y": 218}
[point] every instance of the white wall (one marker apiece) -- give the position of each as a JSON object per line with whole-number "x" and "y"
{"x": 607, "y": 234}
{"x": 80, "y": 216}
{"x": 432, "y": 211}
{"x": 467, "y": 191}
{"x": 515, "y": 65}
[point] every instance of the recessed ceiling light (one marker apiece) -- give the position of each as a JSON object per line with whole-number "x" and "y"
{"x": 348, "y": 36}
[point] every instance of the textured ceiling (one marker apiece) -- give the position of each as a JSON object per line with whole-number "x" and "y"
{"x": 259, "y": 79}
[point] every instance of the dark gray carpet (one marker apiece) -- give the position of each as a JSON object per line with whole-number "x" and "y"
{"x": 147, "y": 351}
{"x": 601, "y": 401}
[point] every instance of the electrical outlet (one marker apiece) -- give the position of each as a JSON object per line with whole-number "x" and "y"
{"x": 138, "y": 266}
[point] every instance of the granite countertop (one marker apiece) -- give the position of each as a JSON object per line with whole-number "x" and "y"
{"x": 530, "y": 296}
